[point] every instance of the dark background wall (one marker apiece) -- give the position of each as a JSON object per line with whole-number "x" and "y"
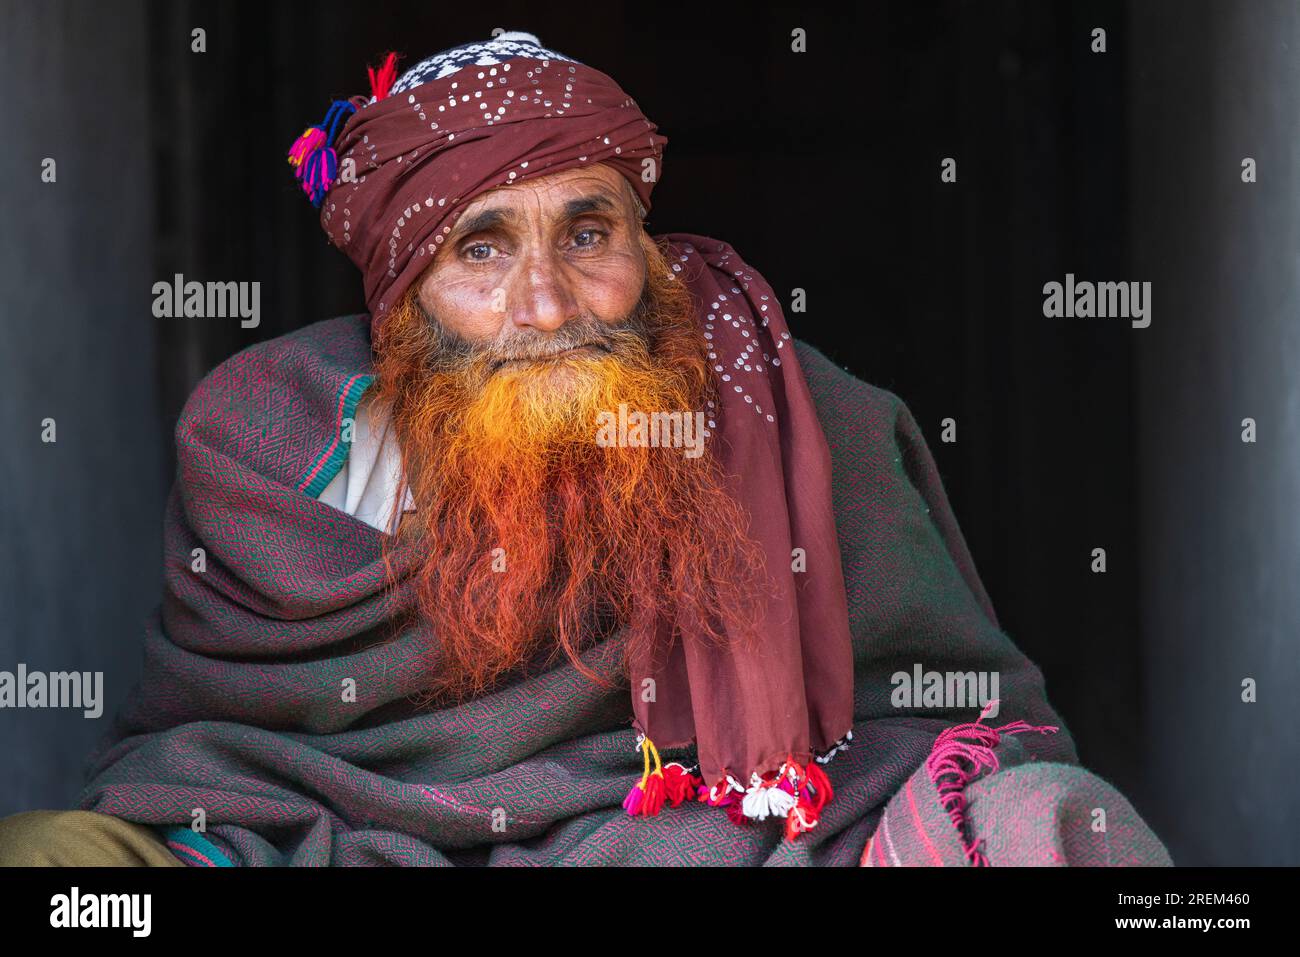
{"x": 1221, "y": 540}
{"x": 822, "y": 169}
{"x": 80, "y": 519}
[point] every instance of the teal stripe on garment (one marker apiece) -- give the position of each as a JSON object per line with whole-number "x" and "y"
{"x": 326, "y": 465}
{"x": 196, "y": 842}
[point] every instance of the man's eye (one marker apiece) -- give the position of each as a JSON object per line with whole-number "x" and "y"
{"x": 479, "y": 252}
{"x": 588, "y": 237}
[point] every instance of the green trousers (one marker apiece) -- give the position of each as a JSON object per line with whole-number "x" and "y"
{"x": 79, "y": 839}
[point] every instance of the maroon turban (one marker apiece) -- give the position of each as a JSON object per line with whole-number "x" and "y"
{"x": 422, "y": 155}
{"x": 487, "y": 115}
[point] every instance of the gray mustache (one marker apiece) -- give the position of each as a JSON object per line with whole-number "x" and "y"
{"x": 526, "y": 353}
{"x": 574, "y": 335}
{"x": 532, "y": 347}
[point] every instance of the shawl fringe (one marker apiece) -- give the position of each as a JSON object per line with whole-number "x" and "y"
{"x": 960, "y": 755}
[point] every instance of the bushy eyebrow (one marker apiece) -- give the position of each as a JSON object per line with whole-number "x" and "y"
{"x": 486, "y": 219}
{"x": 587, "y": 204}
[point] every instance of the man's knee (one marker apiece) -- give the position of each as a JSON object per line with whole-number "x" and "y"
{"x": 79, "y": 839}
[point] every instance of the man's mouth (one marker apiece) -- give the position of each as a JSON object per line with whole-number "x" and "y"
{"x": 587, "y": 348}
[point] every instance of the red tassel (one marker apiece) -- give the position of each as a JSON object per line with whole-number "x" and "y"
{"x": 802, "y": 817}
{"x": 820, "y": 785}
{"x": 382, "y": 81}
{"x": 653, "y": 798}
{"x": 679, "y": 784}
{"x": 735, "y": 810}
{"x": 647, "y": 796}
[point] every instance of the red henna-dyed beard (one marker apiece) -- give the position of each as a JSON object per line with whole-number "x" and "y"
{"x": 536, "y": 540}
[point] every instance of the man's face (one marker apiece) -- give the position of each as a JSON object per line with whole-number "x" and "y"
{"x": 548, "y": 308}
{"x": 540, "y": 268}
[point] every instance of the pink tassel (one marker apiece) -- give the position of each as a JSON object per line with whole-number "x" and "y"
{"x": 647, "y": 796}
{"x": 313, "y": 156}
{"x": 311, "y": 139}
{"x": 721, "y": 794}
{"x": 954, "y": 763}
{"x": 632, "y": 803}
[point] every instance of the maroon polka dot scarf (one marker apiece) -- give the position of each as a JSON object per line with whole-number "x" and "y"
{"x": 390, "y": 185}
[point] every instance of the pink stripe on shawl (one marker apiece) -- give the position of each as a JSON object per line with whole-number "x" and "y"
{"x": 178, "y": 846}
{"x": 916, "y": 816}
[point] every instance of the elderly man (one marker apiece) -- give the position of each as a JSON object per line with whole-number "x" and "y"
{"x": 547, "y": 559}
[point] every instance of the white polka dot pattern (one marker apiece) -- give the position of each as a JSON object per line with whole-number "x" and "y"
{"x": 489, "y": 53}
{"x": 743, "y": 327}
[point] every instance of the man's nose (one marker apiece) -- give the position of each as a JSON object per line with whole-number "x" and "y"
{"x": 541, "y": 295}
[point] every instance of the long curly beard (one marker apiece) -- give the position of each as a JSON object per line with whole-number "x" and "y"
{"x": 535, "y": 539}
